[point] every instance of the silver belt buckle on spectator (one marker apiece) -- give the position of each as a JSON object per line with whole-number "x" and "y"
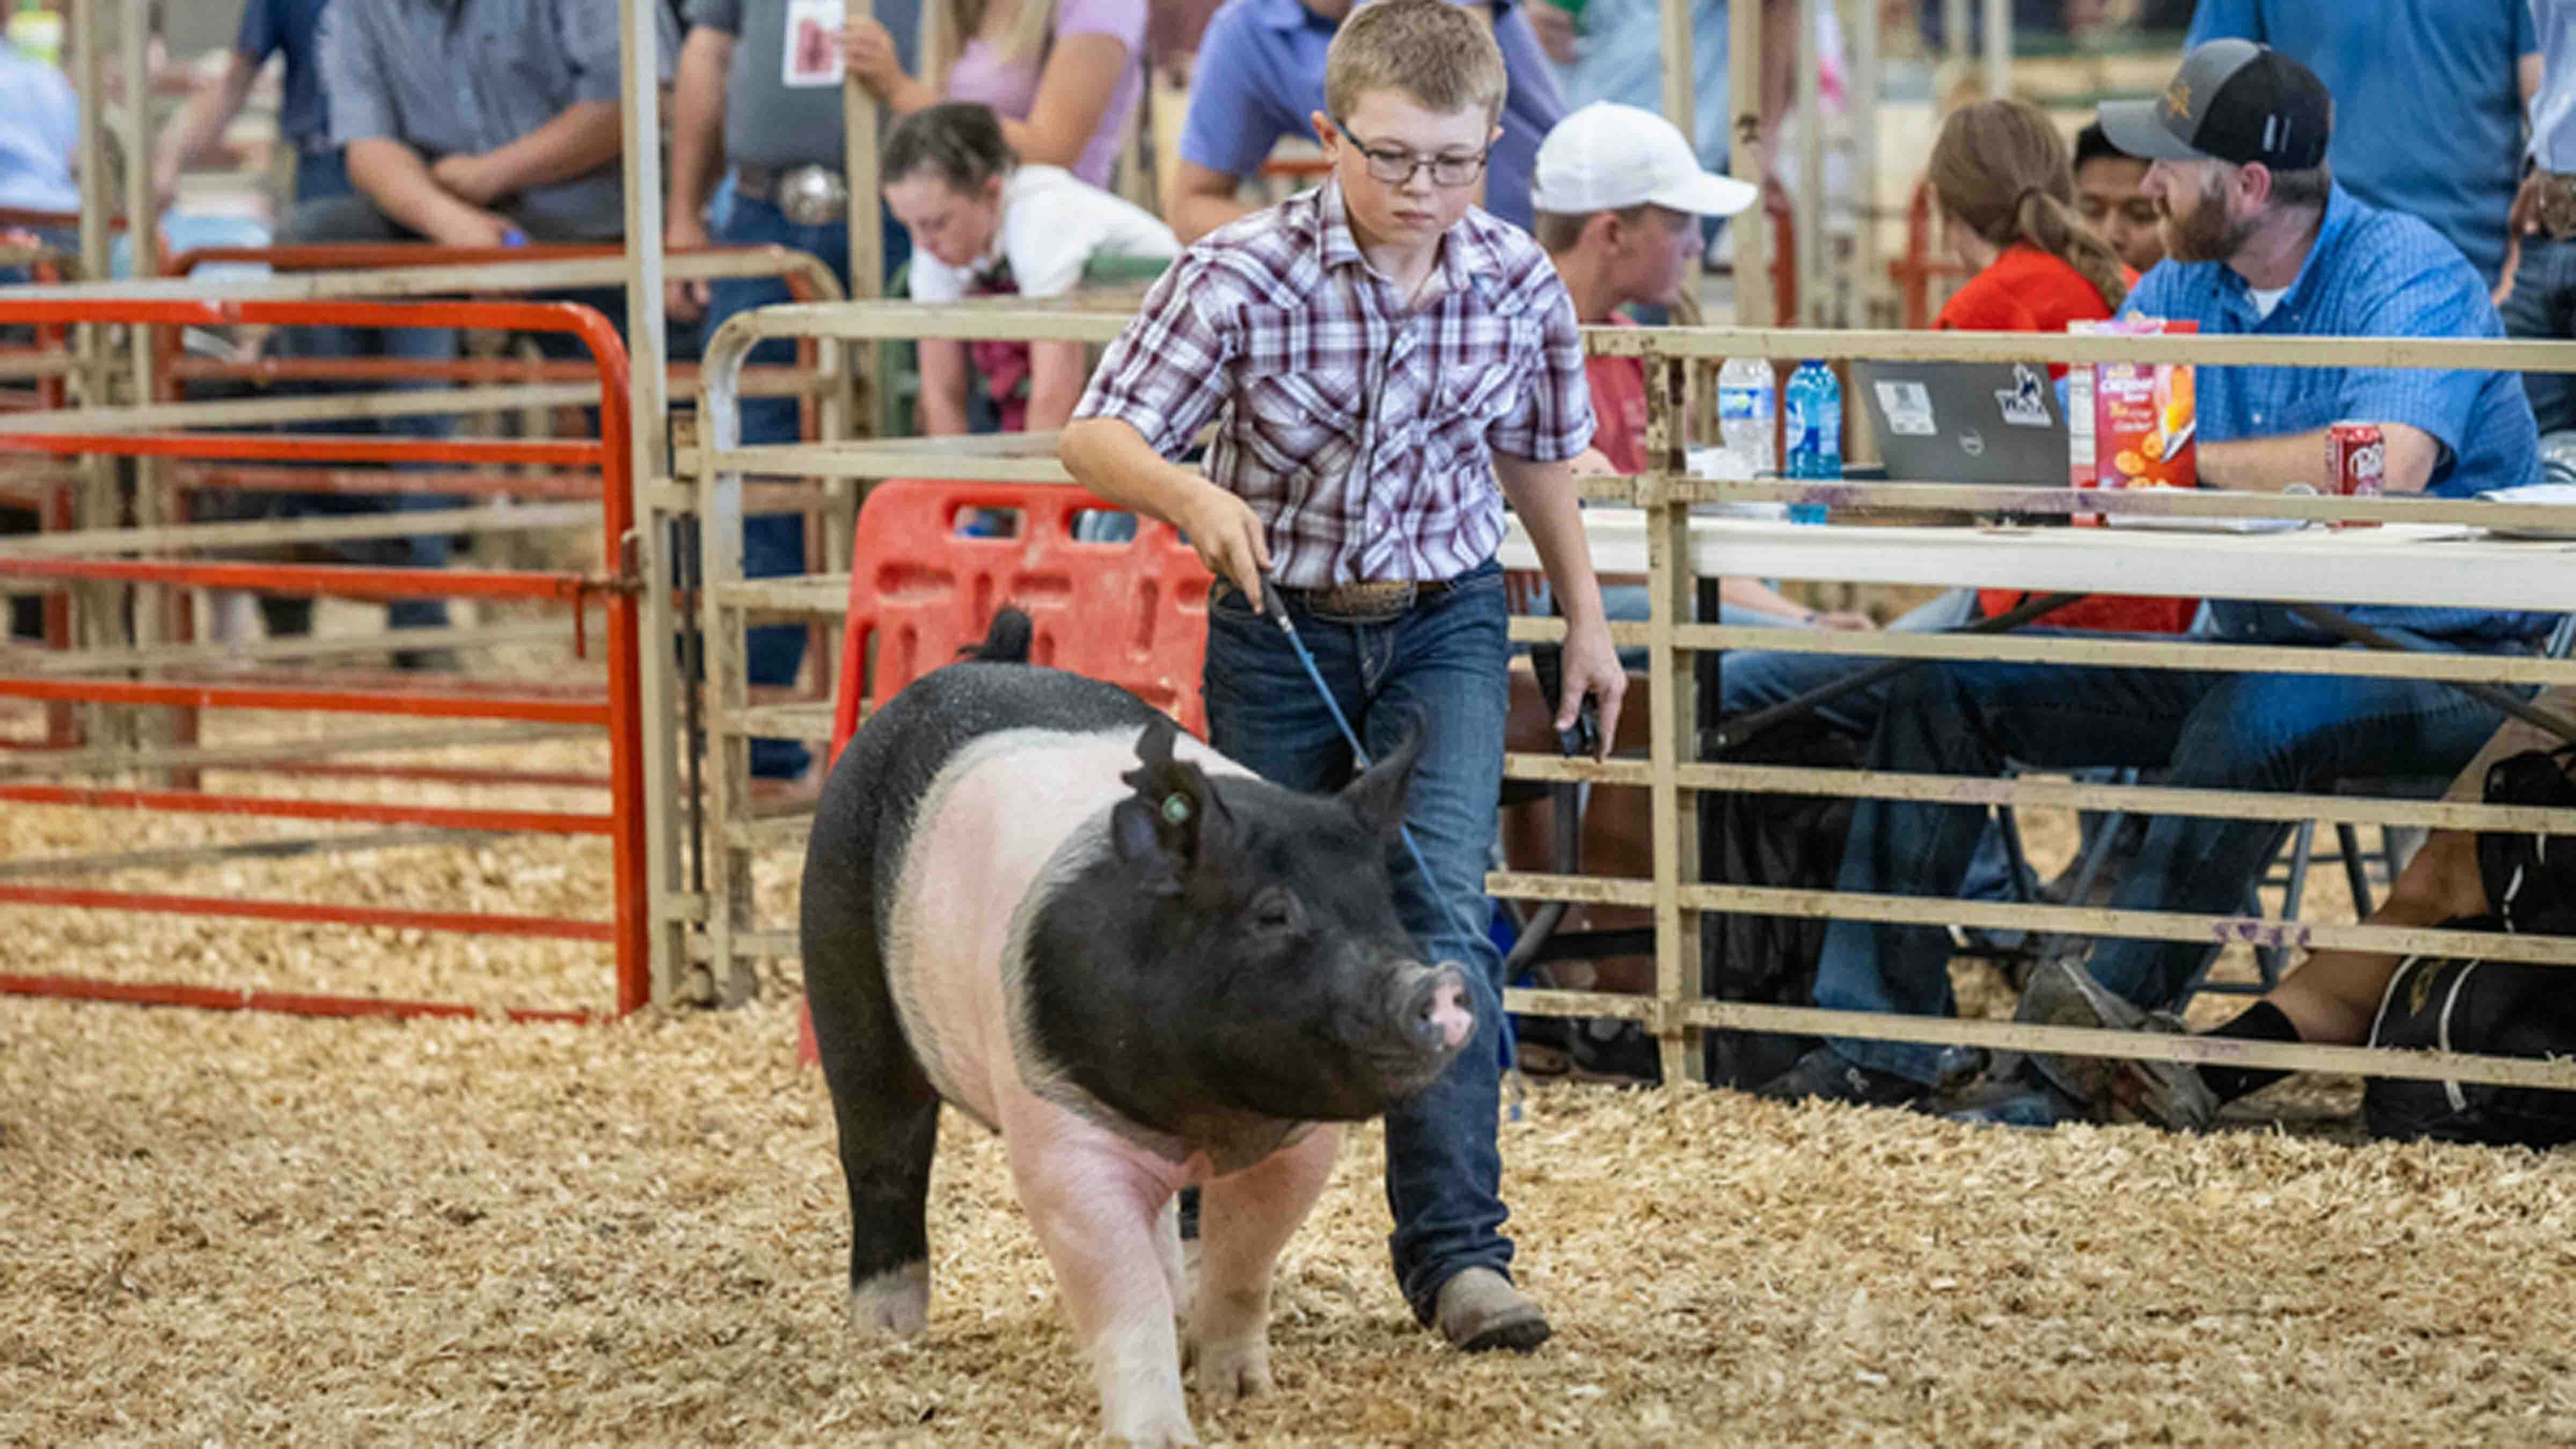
{"x": 812, "y": 196}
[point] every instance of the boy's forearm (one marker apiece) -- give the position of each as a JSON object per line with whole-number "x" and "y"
{"x": 1543, "y": 494}
{"x": 1113, "y": 460}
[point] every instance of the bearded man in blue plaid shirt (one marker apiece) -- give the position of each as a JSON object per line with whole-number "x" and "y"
{"x": 1377, "y": 355}
{"x": 2259, "y": 241}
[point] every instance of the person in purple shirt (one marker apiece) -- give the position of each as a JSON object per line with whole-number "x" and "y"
{"x": 1066, "y": 76}
{"x": 1260, "y": 74}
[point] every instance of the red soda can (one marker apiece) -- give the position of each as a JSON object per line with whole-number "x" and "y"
{"x": 2357, "y": 461}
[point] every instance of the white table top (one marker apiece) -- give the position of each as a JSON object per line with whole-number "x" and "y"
{"x": 2396, "y": 564}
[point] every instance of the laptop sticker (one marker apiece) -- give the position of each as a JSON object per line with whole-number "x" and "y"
{"x": 2025, "y": 403}
{"x": 1908, "y": 406}
{"x": 1972, "y": 443}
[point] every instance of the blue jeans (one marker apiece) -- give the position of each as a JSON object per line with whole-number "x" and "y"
{"x": 2211, "y": 729}
{"x": 349, "y": 217}
{"x": 1758, "y": 679}
{"x": 1440, "y": 666}
{"x": 2543, "y": 305}
{"x": 773, "y": 543}
{"x": 320, "y": 175}
{"x": 1749, "y": 680}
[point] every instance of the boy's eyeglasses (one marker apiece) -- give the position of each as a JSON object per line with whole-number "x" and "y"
{"x": 1395, "y": 165}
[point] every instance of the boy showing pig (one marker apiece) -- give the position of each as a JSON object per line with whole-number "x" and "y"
{"x": 1379, "y": 354}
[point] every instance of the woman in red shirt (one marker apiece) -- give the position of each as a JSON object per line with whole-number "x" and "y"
{"x": 2006, "y": 185}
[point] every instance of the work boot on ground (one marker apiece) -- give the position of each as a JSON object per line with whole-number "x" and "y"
{"x": 1479, "y": 1310}
{"x": 2168, "y": 1094}
{"x": 1824, "y": 1075}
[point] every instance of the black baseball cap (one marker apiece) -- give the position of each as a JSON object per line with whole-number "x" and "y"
{"x": 2233, "y": 100}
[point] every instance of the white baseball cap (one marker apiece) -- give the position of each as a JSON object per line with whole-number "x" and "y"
{"x": 1606, "y": 157}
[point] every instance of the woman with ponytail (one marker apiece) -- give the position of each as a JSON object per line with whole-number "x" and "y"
{"x": 2006, "y": 187}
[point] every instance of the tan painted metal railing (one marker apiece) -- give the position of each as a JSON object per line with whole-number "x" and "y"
{"x": 1678, "y": 550}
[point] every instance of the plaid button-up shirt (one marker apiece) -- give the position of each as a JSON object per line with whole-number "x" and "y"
{"x": 1362, "y": 433}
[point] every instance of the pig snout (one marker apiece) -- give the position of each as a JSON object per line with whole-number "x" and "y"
{"x": 1439, "y": 1015}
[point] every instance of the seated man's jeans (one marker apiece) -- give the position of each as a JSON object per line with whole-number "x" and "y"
{"x": 1758, "y": 679}
{"x": 1442, "y": 666}
{"x": 2543, "y": 305}
{"x": 1749, "y": 680}
{"x": 2213, "y": 730}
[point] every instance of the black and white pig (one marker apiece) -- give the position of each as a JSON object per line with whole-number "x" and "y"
{"x": 1027, "y": 893}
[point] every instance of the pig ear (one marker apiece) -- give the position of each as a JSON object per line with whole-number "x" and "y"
{"x": 1377, "y": 796}
{"x": 1164, "y": 827}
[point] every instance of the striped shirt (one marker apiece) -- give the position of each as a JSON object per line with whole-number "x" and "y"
{"x": 1361, "y": 432}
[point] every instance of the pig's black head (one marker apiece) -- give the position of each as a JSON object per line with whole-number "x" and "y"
{"x": 1236, "y": 952}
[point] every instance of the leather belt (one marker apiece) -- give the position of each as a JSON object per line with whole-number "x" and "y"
{"x": 2557, "y": 204}
{"x": 807, "y": 195}
{"x": 1375, "y": 599}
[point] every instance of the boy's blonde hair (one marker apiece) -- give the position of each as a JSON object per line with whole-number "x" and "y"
{"x": 1430, "y": 50}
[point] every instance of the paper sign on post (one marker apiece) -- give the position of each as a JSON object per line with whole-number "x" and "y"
{"x": 813, "y": 52}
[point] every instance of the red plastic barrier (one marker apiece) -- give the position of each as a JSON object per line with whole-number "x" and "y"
{"x": 1134, "y": 614}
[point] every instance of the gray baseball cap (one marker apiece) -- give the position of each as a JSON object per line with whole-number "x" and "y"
{"x": 2233, "y": 100}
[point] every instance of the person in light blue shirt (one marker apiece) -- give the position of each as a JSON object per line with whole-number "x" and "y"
{"x": 1260, "y": 77}
{"x": 39, "y": 131}
{"x": 1620, "y": 58}
{"x": 2430, "y": 98}
{"x": 2259, "y": 239}
{"x": 2539, "y": 297}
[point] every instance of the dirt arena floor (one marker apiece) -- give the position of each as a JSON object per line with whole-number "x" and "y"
{"x": 220, "y": 1229}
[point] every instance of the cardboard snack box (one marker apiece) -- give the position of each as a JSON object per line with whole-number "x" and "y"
{"x": 2131, "y": 425}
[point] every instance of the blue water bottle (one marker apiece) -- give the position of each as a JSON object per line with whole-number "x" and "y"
{"x": 1813, "y": 404}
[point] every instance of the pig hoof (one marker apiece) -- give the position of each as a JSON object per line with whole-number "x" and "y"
{"x": 893, "y": 1304}
{"x": 1156, "y": 1432}
{"x": 1234, "y": 1369}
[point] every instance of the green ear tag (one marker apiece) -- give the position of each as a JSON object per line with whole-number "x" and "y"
{"x": 1176, "y": 808}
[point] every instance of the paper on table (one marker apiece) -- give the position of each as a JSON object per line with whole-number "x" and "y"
{"x": 2543, "y": 493}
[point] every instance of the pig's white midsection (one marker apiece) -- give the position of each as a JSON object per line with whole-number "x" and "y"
{"x": 1009, "y": 810}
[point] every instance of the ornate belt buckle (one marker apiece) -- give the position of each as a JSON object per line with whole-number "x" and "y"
{"x": 812, "y": 196}
{"x": 1370, "y": 602}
